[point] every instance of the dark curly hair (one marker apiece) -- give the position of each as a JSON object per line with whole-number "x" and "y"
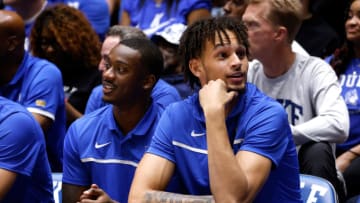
{"x": 192, "y": 41}
{"x": 73, "y": 35}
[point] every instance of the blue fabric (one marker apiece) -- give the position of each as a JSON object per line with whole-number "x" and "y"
{"x": 151, "y": 17}
{"x": 37, "y": 85}
{"x": 259, "y": 124}
{"x": 350, "y": 91}
{"x": 96, "y": 11}
{"x": 96, "y": 151}
{"x": 163, "y": 94}
{"x": 22, "y": 150}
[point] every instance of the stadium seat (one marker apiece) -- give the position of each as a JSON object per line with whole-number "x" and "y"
{"x": 317, "y": 190}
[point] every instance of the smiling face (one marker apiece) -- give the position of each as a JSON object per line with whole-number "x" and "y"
{"x": 123, "y": 76}
{"x": 227, "y": 61}
{"x": 352, "y": 24}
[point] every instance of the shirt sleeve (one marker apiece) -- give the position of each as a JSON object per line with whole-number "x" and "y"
{"x": 331, "y": 122}
{"x": 19, "y": 147}
{"x": 74, "y": 171}
{"x": 45, "y": 92}
{"x": 267, "y": 132}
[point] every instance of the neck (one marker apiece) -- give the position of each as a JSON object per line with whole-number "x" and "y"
{"x": 357, "y": 50}
{"x": 278, "y": 65}
{"x": 10, "y": 65}
{"x": 128, "y": 116}
{"x": 30, "y": 10}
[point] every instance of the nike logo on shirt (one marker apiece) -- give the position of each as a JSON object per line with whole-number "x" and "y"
{"x": 193, "y": 134}
{"x": 98, "y": 146}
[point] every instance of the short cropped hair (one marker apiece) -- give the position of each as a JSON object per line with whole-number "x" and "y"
{"x": 194, "y": 38}
{"x": 151, "y": 57}
{"x": 125, "y": 32}
{"x": 287, "y": 13}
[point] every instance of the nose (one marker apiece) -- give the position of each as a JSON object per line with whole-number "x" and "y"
{"x": 235, "y": 62}
{"x": 108, "y": 74}
{"x": 101, "y": 65}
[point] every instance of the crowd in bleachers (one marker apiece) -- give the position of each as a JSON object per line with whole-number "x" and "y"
{"x": 110, "y": 91}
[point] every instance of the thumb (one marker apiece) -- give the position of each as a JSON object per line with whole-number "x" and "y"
{"x": 231, "y": 95}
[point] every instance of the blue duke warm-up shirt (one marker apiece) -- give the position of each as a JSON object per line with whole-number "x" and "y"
{"x": 22, "y": 150}
{"x": 258, "y": 124}
{"x": 163, "y": 94}
{"x": 37, "y": 85}
{"x": 96, "y": 151}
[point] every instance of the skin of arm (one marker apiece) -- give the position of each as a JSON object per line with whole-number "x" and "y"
{"x": 345, "y": 159}
{"x": 197, "y": 14}
{"x": 7, "y": 180}
{"x": 233, "y": 178}
{"x": 71, "y": 113}
{"x": 71, "y": 193}
{"x": 125, "y": 18}
{"x": 44, "y": 121}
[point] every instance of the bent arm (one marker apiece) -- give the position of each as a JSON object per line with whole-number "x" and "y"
{"x": 7, "y": 180}
{"x": 197, "y": 14}
{"x": 45, "y": 122}
{"x": 331, "y": 121}
{"x": 233, "y": 178}
{"x": 153, "y": 173}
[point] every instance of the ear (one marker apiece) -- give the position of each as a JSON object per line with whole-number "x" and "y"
{"x": 149, "y": 82}
{"x": 281, "y": 33}
{"x": 195, "y": 66}
{"x": 12, "y": 43}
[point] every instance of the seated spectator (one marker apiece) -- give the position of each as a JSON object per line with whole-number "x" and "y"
{"x": 105, "y": 146}
{"x": 96, "y": 11}
{"x": 306, "y": 86}
{"x": 24, "y": 168}
{"x": 150, "y": 16}
{"x": 237, "y": 139}
{"x": 163, "y": 94}
{"x": 28, "y": 10}
{"x": 346, "y": 63}
{"x": 168, "y": 41}
{"x": 62, "y": 35}
{"x": 236, "y": 9}
{"x": 316, "y": 34}
{"x": 34, "y": 83}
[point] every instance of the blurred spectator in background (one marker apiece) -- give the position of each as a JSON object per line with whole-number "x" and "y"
{"x": 162, "y": 94}
{"x": 317, "y": 33}
{"x": 28, "y": 10}
{"x": 34, "y": 83}
{"x": 151, "y": 16}
{"x": 96, "y": 11}
{"x": 168, "y": 41}
{"x": 346, "y": 62}
{"x": 62, "y": 35}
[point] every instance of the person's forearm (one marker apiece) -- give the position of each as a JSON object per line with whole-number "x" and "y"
{"x": 227, "y": 180}
{"x": 164, "y": 197}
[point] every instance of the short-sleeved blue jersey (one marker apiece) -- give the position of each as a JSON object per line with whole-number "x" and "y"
{"x": 96, "y": 151}
{"x": 22, "y": 150}
{"x": 163, "y": 94}
{"x": 257, "y": 124}
{"x": 152, "y": 17}
{"x": 37, "y": 85}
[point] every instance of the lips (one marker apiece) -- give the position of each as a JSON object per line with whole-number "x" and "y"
{"x": 107, "y": 87}
{"x": 236, "y": 77}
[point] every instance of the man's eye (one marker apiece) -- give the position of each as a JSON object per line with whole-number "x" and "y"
{"x": 222, "y": 55}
